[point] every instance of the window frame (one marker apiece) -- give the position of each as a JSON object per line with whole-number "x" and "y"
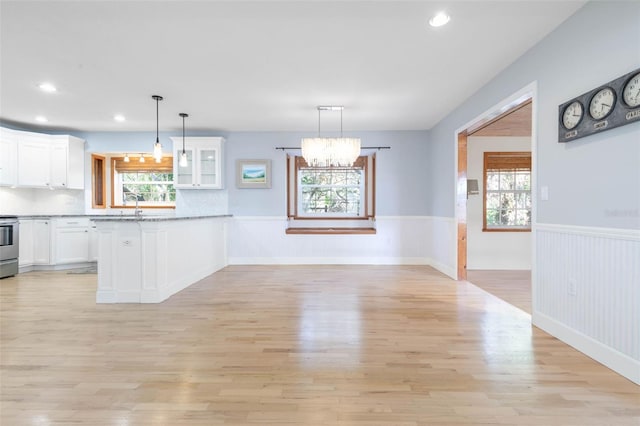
{"x": 165, "y": 166}
{"x": 367, "y": 209}
{"x": 512, "y": 160}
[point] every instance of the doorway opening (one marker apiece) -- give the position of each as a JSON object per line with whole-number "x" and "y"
{"x": 487, "y": 258}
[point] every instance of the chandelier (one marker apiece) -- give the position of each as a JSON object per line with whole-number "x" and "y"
{"x": 330, "y": 152}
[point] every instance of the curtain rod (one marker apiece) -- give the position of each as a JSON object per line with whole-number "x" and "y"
{"x": 283, "y": 148}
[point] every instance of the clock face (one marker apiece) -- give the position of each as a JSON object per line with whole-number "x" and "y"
{"x": 631, "y": 91}
{"x": 602, "y": 103}
{"x": 572, "y": 115}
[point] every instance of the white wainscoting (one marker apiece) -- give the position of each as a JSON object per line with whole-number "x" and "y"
{"x": 399, "y": 240}
{"x": 587, "y": 292}
{"x": 442, "y": 245}
{"x": 262, "y": 240}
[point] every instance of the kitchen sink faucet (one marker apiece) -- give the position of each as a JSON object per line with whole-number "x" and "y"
{"x": 138, "y": 211}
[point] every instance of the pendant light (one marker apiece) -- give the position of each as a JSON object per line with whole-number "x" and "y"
{"x": 126, "y": 158}
{"x": 157, "y": 148}
{"x": 183, "y": 155}
{"x": 141, "y": 158}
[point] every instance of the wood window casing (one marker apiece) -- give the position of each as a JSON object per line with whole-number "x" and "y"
{"x": 367, "y": 164}
{"x": 504, "y": 161}
{"x": 98, "y": 182}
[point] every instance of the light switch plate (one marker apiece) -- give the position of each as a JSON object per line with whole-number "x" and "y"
{"x": 544, "y": 193}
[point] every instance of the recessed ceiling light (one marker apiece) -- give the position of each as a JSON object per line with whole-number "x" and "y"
{"x": 439, "y": 19}
{"x": 41, "y": 119}
{"x": 48, "y": 87}
{"x": 119, "y": 117}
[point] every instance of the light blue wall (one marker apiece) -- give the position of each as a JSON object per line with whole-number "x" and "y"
{"x": 400, "y": 182}
{"x": 400, "y": 191}
{"x": 592, "y": 181}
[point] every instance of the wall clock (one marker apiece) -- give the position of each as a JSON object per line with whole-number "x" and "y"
{"x": 608, "y": 106}
{"x": 572, "y": 115}
{"x": 631, "y": 91}
{"x": 602, "y": 103}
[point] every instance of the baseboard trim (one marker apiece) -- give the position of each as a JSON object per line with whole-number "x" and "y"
{"x": 616, "y": 361}
{"x": 328, "y": 261}
{"x": 449, "y": 271}
{"x": 62, "y": 267}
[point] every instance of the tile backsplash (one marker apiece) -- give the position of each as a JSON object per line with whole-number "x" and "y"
{"x": 28, "y": 201}
{"x": 25, "y": 201}
{"x": 195, "y": 202}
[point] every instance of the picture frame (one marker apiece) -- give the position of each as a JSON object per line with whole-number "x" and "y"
{"x": 253, "y": 174}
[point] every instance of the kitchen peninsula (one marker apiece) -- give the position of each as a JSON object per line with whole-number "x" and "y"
{"x": 147, "y": 259}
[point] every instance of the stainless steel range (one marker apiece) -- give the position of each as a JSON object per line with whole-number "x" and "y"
{"x": 9, "y": 236}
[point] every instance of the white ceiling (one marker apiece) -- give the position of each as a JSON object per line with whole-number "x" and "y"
{"x": 262, "y": 65}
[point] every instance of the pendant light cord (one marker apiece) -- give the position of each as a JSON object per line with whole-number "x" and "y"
{"x": 183, "y": 115}
{"x": 157, "y": 123}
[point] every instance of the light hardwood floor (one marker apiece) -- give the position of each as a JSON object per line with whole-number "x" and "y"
{"x": 514, "y": 287}
{"x": 293, "y": 345}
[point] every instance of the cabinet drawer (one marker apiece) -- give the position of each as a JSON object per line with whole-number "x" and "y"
{"x": 73, "y": 222}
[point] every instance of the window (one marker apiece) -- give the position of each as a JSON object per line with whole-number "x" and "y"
{"x": 148, "y": 183}
{"x": 331, "y": 196}
{"x": 331, "y": 192}
{"x": 507, "y": 191}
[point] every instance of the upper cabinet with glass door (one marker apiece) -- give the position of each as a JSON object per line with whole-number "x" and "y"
{"x": 204, "y": 166}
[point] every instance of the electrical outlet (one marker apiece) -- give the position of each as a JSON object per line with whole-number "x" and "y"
{"x": 573, "y": 287}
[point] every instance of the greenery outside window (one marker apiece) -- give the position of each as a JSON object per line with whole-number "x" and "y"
{"x": 150, "y": 184}
{"x": 507, "y": 191}
{"x": 331, "y": 191}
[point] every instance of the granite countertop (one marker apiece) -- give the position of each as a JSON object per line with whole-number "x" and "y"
{"x": 117, "y": 217}
{"x": 150, "y": 218}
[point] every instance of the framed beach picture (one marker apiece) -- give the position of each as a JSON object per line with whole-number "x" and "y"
{"x": 253, "y": 173}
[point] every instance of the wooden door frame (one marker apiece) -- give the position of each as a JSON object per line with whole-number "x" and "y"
{"x": 461, "y": 206}
{"x": 524, "y": 95}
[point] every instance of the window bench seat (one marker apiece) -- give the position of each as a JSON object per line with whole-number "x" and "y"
{"x": 331, "y": 231}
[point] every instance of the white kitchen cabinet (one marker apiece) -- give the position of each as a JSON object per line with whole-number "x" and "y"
{"x": 41, "y": 242}
{"x": 8, "y": 158}
{"x": 67, "y": 162}
{"x": 58, "y": 168}
{"x": 71, "y": 240}
{"x": 51, "y": 243}
{"x": 93, "y": 242}
{"x": 25, "y": 254}
{"x": 205, "y": 158}
{"x": 49, "y": 161}
{"x": 34, "y": 161}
